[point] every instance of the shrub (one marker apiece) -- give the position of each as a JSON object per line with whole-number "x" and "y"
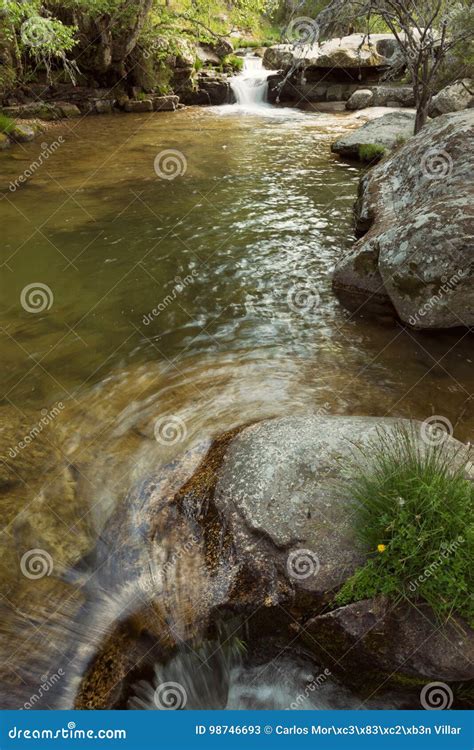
{"x": 414, "y": 513}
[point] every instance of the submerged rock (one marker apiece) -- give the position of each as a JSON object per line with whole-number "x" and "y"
{"x": 416, "y": 209}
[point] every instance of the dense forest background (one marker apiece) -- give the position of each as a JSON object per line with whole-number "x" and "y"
{"x": 113, "y": 42}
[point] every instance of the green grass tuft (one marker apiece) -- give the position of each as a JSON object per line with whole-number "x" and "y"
{"x": 414, "y": 513}
{"x": 233, "y": 63}
{"x": 371, "y": 152}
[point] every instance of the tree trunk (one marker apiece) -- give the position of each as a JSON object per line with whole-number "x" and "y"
{"x": 422, "y": 114}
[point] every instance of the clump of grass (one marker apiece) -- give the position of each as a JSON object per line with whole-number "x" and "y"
{"x": 371, "y": 152}
{"x": 233, "y": 63}
{"x": 414, "y": 512}
{"x": 7, "y": 125}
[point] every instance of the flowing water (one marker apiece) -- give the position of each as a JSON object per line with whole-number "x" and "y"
{"x": 205, "y": 298}
{"x": 251, "y": 86}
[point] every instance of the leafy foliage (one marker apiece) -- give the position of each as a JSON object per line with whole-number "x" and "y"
{"x": 414, "y": 510}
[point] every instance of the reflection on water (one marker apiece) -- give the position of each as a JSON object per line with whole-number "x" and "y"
{"x": 206, "y": 297}
{"x": 261, "y": 208}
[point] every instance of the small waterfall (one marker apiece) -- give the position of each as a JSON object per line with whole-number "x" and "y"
{"x": 251, "y": 85}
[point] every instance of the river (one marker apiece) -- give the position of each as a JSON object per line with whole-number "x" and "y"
{"x": 175, "y": 268}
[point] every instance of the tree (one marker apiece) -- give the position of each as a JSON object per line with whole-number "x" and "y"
{"x": 31, "y": 31}
{"x": 427, "y": 32}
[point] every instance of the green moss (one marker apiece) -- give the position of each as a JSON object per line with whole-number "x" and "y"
{"x": 7, "y": 125}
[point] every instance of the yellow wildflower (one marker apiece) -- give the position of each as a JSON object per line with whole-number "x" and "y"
{"x": 381, "y": 547}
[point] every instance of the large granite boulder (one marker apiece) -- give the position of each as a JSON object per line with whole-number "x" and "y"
{"x": 416, "y": 210}
{"x": 360, "y": 99}
{"x": 278, "y": 57}
{"x": 349, "y": 52}
{"x": 210, "y": 89}
{"x": 404, "y": 641}
{"x": 278, "y": 491}
{"x": 385, "y": 133}
{"x": 256, "y": 524}
{"x": 393, "y": 96}
{"x": 458, "y": 96}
